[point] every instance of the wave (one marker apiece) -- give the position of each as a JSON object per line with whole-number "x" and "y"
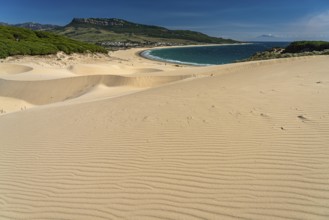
{"x": 147, "y": 54}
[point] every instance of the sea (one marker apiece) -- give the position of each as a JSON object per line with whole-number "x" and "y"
{"x": 210, "y": 55}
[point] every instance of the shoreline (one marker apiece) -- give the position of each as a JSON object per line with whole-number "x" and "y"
{"x": 167, "y": 61}
{"x": 150, "y": 57}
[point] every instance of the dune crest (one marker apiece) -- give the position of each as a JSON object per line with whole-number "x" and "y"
{"x": 68, "y": 80}
{"x": 43, "y": 92}
{"x": 14, "y": 69}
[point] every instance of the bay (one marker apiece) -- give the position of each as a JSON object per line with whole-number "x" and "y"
{"x": 210, "y": 55}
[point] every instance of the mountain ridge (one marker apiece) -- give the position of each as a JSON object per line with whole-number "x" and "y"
{"x": 120, "y": 33}
{"x": 36, "y": 26}
{"x": 113, "y": 30}
{"x": 32, "y": 26}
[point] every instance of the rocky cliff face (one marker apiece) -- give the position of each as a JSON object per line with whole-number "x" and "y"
{"x": 113, "y": 22}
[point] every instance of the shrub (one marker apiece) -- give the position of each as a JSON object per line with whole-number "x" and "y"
{"x": 307, "y": 46}
{"x": 20, "y": 41}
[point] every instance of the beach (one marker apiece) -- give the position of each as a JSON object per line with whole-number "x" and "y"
{"x": 121, "y": 137}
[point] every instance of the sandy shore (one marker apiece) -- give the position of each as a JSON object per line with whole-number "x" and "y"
{"x": 122, "y": 137}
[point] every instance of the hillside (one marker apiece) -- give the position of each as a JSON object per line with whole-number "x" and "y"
{"x": 33, "y": 26}
{"x": 307, "y": 46}
{"x": 21, "y": 41}
{"x": 37, "y": 26}
{"x": 294, "y": 49}
{"x": 112, "y": 32}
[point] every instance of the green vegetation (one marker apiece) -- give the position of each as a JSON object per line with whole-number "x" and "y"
{"x": 295, "y": 49}
{"x": 20, "y": 41}
{"x": 98, "y": 30}
{"x": 307, "y": 46}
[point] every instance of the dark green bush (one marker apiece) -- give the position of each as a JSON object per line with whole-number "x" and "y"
{"x": 20, "y": 41}
{"x": 306, "y": 46}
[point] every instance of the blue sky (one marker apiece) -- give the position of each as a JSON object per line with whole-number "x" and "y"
{"x": 237, "y": 19}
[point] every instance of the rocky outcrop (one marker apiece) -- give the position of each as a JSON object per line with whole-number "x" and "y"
{"x": 113, "y": 22}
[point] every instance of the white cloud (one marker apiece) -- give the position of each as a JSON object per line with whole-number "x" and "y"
{"x": 309, "y": 27}
{"x": 319, "y": 21}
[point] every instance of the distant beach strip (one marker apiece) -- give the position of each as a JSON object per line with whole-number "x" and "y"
{"x": 209, "y": 55}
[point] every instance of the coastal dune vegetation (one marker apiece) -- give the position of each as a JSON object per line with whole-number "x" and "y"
{"x": 307, "y": 46}
{"x": 294, "y": 49}
{"x": 21, "y": 41}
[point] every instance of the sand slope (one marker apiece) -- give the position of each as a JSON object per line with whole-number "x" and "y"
{"x": 243, "y": 141}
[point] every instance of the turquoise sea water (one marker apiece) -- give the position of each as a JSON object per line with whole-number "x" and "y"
{"x": 210, "y": 55}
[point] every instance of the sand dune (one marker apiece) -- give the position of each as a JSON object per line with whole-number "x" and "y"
{"x": 243, "y": 141}
{"x": 112, "y": 69}
{"x": 37, "y": 85}
{"x": 43, "y": 92}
